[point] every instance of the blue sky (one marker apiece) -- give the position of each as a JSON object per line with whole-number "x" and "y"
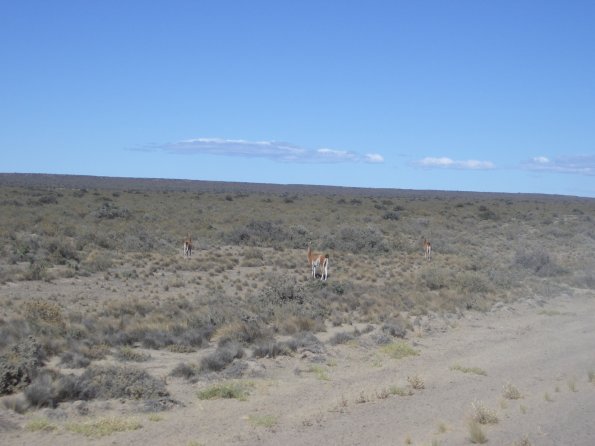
{"x": 448, "y": 95}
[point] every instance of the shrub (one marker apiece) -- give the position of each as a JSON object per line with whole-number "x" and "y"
{"x": 392, "y": 215}
{"x": 473, "y": 370}
{"x": 107, "y": 382}
{"x": 128, "y": 353}
{"x": 341, "y": 338}
{"x": 19, "y": 365}
{"x": 356, "y": 240}
{"x": 510, "y": 392}
{"x": 257, "y": 233}
{"x": 398, "y": 350}
{"x": 222, "y": 357}
{"x": 289, "y": 305}
{"x": 473, "y": 282}
{"x": 244, "y": 332}
{"x": 482, "y": 414}
{"x": 476, "y": 433}
{"x": 184, "y": 370}
{"x": 104, "y": 426}
{"x": 74, "y": 360}
{"x": 396, "y": 327}
{"x": 238, "y": 390}
{"x": 272, "y": 349}
{"x": 111, "y": 211}
{"x": 50, "y": 388}
{"x": 435, "y": 278}
{"x": 539, "y": 262}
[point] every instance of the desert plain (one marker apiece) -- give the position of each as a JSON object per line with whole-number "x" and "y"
{"x": 110, "y": 335}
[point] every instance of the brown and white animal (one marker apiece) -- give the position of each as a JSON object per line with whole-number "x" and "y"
{"x": 427, "y": 250}
{"x": 315, "y": 260}
{"x": 188, "y": 247}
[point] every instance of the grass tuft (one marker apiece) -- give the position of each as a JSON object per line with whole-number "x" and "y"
{"x": 104, "y": 426}
{"x": 399, "y": 350}
{"x": 40, "y": 424}
{"x": 473, "y": 370}
{"x": 228, "y": 390}
{"x": 266, "y": 421}
{"x": 482, "y": 414}
{"x": 510, "y": 392}
{"x": 476, "y": 433}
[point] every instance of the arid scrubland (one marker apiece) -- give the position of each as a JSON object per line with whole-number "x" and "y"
{"x": 95, "y": 290}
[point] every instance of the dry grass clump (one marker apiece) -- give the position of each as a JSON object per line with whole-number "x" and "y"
{"x": 266, "y": 421}
{"x": 476, "y": 433}
{"x": 524, "y": 441}
{"x": 473, "y": 370}
{"x": 416, "y": 382}
{"x": 127, "y": 353}
{"x": 510, "y": 392}
{"x": 104, "y": 426}
{"x": 40, "y": 424}
{"x": 482, "y": 414}
{"x": 233, "y": 389}
{"x": 222, "y": 357}
{"x": 272, "y": 349}
{"x": 399, "y": 350}
{"x": 185, "y": 370}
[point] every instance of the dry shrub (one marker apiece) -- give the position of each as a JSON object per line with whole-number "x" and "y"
{"x": 20, "y": 364}
{"x": 45, "y": 316}
{"x": 539, "y": 262}
{"x": 510, "y": 392}
{"x": 222, "y": 357}
{"x": 185, "y": 370}
{"x": 356, "y": 239}
{"x": 119, "y": 382}
{"x": 482, "y": 414}
{"x": 49, "y": 388}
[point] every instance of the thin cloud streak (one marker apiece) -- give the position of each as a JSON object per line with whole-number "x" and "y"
{"x": 448, "y": 163}
{"x": 273, "y": 150}
{"x": 579, "y": 164}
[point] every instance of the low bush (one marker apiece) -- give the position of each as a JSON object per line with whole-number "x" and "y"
{"x": 356, "y": 239}
{"x": 341, "y": 338}
{"x": 19, "y": 365}
{"x": 539, "y": 262}
{"x": 50, "y": 388}
{"x": 222, "y": 357}
{"x": 107, "y": 382}
{"x": 272, "y": 349}
{"x": 185, "y": 370}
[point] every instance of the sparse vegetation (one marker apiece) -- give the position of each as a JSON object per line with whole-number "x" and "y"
{"x": 266, "y": 421}
{"x": 472, "y": 370}
{"x": 399, "y": 350}
{"x": 482, "y": 414}
{"x": 245, "y": 296}
{"x": 510, "y": 392}
{"x": 476, "y": 433}
{"x": 104, "y": 426}
{"x": 234, "y": 389}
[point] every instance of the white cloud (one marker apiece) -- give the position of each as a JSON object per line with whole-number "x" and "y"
{"x": 577, "y": 164}
{"x": 276, "y": 151}
{"x": 448, "y": 163}
{"x": 540, "y": 160}
{"x": 374, "y": 158}
{"x": 336, "y": 155}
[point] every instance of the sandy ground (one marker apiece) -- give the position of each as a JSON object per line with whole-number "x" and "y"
{"x": 546, "y": 349}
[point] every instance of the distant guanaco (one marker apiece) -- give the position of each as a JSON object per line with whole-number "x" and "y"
{"x": 315, "y": 260}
